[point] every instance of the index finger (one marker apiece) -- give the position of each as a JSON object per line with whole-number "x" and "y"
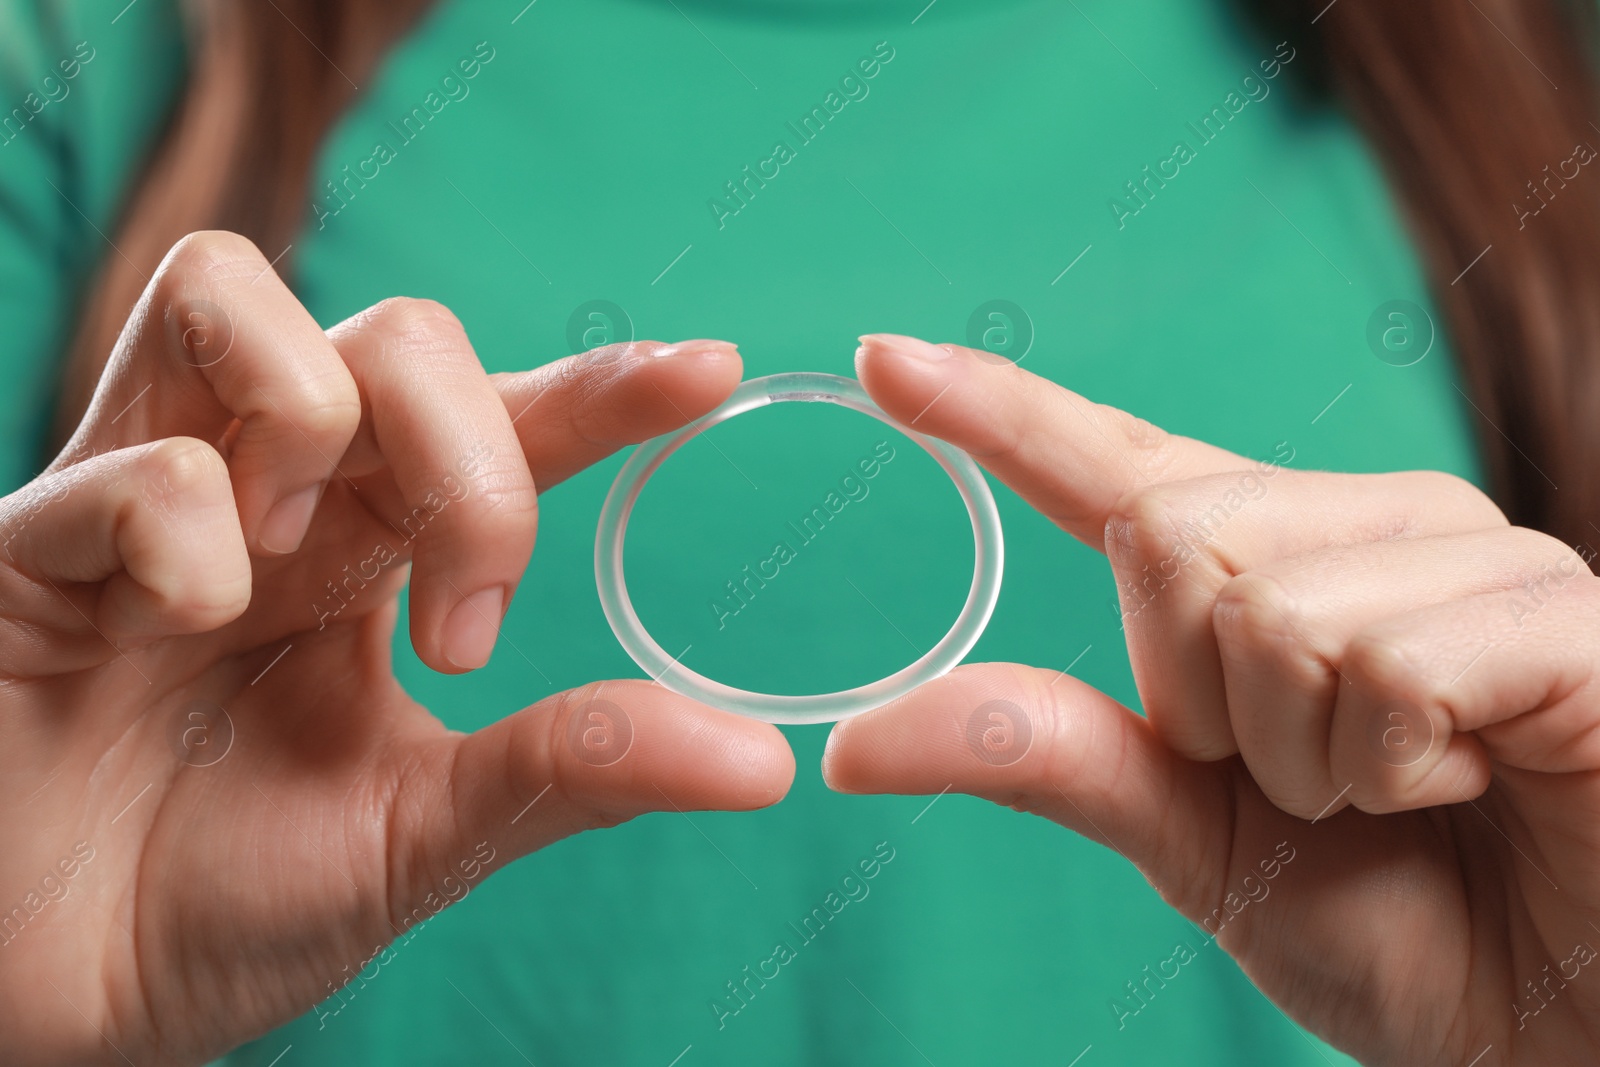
{"x": 574, "y": 412}
{"x": 1071, "y": 458}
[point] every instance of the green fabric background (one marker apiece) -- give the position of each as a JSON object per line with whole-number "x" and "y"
{"x": 982, "y": 162}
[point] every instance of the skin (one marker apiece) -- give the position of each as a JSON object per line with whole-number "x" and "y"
{"x": 1370, "y": 761}
{"x": 218, "y": 891}
{"x": 1370, "y": 692}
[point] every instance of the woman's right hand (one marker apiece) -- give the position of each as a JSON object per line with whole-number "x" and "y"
{"x": 221, "y": 804}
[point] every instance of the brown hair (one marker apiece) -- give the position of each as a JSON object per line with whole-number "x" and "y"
{"x": 266, "y": 82}
{"x": 1473, "y": 109}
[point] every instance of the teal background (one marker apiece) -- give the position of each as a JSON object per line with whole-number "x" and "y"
{"x": 1233, "y": 308}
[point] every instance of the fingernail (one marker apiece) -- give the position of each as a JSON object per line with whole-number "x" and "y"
{"x": 286, "y": 522}
{"x": 695, "y": 347}
{"x": 905, "y": 346}
{"x": 471, "y": 628}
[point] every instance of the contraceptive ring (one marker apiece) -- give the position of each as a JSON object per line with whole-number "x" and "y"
{"x": 811, "y": 387}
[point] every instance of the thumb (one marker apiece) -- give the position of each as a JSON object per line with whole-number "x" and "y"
{"x": 122, "y": 548}
{"x": 588, "y": 758}
{"x": 1044, "y": 742}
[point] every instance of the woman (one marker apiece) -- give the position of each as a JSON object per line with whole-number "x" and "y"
{"x": 1366, "y": 769}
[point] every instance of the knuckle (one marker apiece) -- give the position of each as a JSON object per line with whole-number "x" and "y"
{"x": 327, "y": 409}
{"x": 587, "y": 390}
{"x": 591, "y": 421}
{"x": 507, "y": 495}
{"x": 201, "y": 266}
{"x": 1443, "y": 486}
{"x": 1386, "y": 666}
{"x": 1065, "y": 754}
{"x": 177, "y": 470}
{"x": 416, "y": 325}
{"x": 1256, "y": 616}
{"x": 572, "y": 778}
{"x": 1015, "y": 730}
{"x": 178, "y": 477}
{"x": 1142, "y": 526}
{"x": 1158, "y": 534}
{"x": 1005, "y": 441}
{"x": 1155, "y": 447}
{"x": 562, "y": 769}
{"x": 492, "y": 485}
{"x": 206, "y": 255}
{"x": 1544, "y": 551}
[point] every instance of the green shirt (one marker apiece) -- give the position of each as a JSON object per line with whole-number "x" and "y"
{"x": 1169, "y": 232}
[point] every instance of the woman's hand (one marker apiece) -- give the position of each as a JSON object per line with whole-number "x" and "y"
{"x": 1371, "y": 764}
{"x": 220, "y": 805}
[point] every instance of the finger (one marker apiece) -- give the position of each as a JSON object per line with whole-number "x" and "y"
{"x": 217, "y": 337}
{"x": 1282, "y": 631}
{"x": 1174, "y": 547}
{"x": 1436, "y": 694}
{"x": 576, "y": 411}
{"x": 467, "y": 509}
{"x": 120, "y": 549}
{"x": 1044, "y": 742}
{"x": 1070, "y": 458}
{"x": 589, "y": 758}
{"x": 1177, "y": 518}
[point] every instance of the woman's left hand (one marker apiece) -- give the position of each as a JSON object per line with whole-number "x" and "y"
{"x": 1369, "y": 691}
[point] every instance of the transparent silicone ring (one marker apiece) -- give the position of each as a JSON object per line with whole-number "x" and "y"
{"x": 989, "y": 552}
